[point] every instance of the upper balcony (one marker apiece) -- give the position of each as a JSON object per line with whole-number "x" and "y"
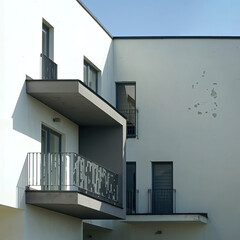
{"x": 74, "y": 100}
{"x": 89, "y": 187}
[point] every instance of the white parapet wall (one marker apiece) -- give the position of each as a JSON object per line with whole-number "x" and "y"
{"x": 187, "y": 94}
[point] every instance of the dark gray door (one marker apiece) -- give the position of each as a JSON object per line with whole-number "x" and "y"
{"x": 162, "y": 190}
{"x": 131, "y": 187}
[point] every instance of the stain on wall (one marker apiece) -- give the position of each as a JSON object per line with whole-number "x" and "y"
{"x": 206, "y": 102}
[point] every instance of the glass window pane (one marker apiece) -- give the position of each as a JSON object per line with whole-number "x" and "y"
{"x": 54, "y": 143}
{"x": 90, "y": 76}
{"x": 126, "y": 104}
{"x": 45, "y": 40}
{"x": 92, "y": 81}
{"x": 85, "y": 74}
{"x": 44, "y": 141}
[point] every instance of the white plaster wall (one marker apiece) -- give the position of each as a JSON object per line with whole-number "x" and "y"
{"x": 187, "y": 93}
{"x": 11, "y": 223}
{"x": 76, "y": 35}
{"x": 143, "y": 231}
{"x": 41, "y": 224}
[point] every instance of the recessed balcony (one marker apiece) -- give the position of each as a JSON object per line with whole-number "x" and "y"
{"x": 71, "y": 184}
{"x": 54, "y": 181}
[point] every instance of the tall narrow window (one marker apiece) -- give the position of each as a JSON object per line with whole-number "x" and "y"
{"x": 126, "y": 104}
{"x": 49, "y": 67}
{"x": 131, "y": 187}
{"x": 50, "y": 159}
{"x": 162, "y": 189}
{"x": 90, "y": 76}
{"x": 51, "y": 141}
{"x": 45, "y": 40}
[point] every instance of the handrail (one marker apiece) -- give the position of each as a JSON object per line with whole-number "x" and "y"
{"x": 72, "y": 172}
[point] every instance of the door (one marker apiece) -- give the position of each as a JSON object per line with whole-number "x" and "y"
{"x": 162, "y": 187}
{"x": 131, "y": 187}
{"x": 51, "y": 159}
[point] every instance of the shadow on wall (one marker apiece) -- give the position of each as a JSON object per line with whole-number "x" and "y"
{"x": 21, "y": 185}
{"x": 23, "y": 122}
{"x": 24, "y": 114}
{"x": 107, "y": 83}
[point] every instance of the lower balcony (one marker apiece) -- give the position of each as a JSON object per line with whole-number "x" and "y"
{"x": 161, "y": 207}
{"x": 160, "y": 201}
{"x": 72, "y": 184}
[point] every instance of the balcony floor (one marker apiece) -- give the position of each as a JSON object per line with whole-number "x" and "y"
{"x": 174, "y": 217}
{"x": 73, "y": 204}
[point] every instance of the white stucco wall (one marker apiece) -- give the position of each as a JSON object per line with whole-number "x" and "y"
{"x": 187, "y": 94}
{"x": 76, "y": 35}
{"x": 42, "y": 224}
{"x": 11, "y": 223}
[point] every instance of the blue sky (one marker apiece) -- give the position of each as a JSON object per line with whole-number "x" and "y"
{"x": 168, "y": 17}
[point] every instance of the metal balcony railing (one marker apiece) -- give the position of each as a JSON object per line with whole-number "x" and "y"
{"x": 72, "y": 172}
{"x": 130, "y": 114}
{"x": 49, "y": 68}
{"x": 163, "y": 201}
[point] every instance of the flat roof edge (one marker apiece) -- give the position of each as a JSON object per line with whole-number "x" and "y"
{"x": 176, "y": 37}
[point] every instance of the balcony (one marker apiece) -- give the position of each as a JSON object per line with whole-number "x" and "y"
{"x": 70, "y": 174}
{"x": 161, "y": 201}
{"x": 161, "y": 207}
{"x": 100, "y": 126}
{"x": 49, "y": 68}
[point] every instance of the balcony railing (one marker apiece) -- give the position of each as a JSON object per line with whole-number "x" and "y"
{"x": 161, "y": 201}
{"x": 130, "y": 114}
{"x": 49, "y": 68}
{"x": 72, "y": 172}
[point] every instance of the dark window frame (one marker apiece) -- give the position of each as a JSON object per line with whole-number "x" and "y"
{"x": 51, "y": 131}
{"x": 91, "y": 67}
{"x": 135, "y": 114}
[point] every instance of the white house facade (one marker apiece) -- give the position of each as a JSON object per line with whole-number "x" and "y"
{"x": 108, "y": 137}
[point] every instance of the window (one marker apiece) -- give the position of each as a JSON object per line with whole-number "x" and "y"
{"x": 90, "y": 76}
{"x": 50, "y": 141}
{"x": 162, "y": 187}
{"x": 45, "y": 40}
{"x": 49, "y": 67}
{"x": 126, "y": 104}
{"x": 131, "y": 188}
{"x": 50, "y": 165}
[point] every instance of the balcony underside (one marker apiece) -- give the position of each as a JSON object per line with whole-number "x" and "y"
{"x": 73, "y": 204}
{"x": 74, "y": 100}
{"x": 174, "y": 217}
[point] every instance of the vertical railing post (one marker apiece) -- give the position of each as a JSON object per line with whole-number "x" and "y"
{"x": 137, "y": 201}
{"x": 150, "y": 207}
